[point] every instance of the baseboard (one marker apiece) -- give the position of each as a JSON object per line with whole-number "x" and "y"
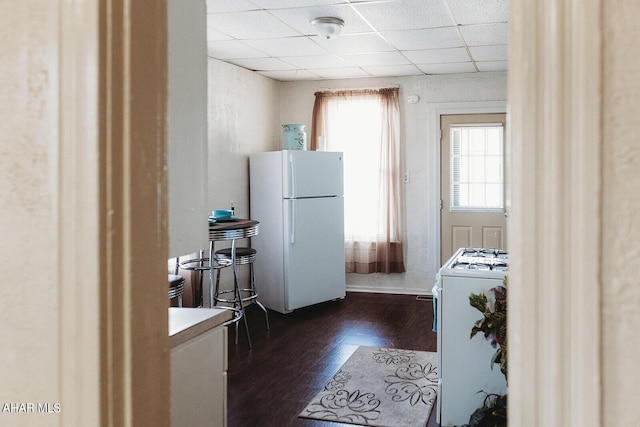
{"x": 381, "y": 290}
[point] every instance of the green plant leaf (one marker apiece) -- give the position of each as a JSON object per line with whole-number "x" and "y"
{"x": 478, "y": 301}
{"x": 496, "y": 357}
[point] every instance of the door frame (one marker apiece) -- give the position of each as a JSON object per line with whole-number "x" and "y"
{"x": 111, "y": 158}
{"x": 433, "y": 197}
{"x": 471, "y": 120}
{"x": 559, "y": 96}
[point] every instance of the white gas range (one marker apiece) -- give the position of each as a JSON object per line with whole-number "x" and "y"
{"x": 464, "y": 364}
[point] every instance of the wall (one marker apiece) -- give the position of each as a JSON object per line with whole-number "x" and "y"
{"x": 420, "y": 148}
{"x": 187, "y": 126}
{"x": 243, "y": 118}
{"x": 620, "y": 211}
{"x": 83, "y": 199}
{"x": 28, "y": 207}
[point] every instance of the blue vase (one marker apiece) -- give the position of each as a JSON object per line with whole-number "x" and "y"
{"x": 294, "y": 137}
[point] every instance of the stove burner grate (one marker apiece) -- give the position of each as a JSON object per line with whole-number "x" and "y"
{"x": 483, "y": 259}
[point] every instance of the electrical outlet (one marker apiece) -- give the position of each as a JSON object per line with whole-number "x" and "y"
{"x": 406, "y": 179}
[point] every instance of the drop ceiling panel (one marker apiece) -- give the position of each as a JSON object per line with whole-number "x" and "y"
{"x": 300, "y": 18}
{"x": 290, "y": 46}
{"x": 425, "y": 39}
{"x": 479, "y": 11}
{"x": 380, "y": 37}
{"x": 373, "y": 59}
{"x": 492, "y": 66}
{"x": 452, "y": 68}
{"x": 282, "y": 4}
{"x": 215, "y": 35}
{"x": 290, "y": 75}
{"x": 355, "y": 43}
{"x": 484, "y": 35}
{"x": 230, "y": 49}
{"x": 489, "y": 53}
{"x": 341, "y": 73}
{"x": 393, "y": 70}
{"x": 318, "y": 61}
{"x": 405, "y": 14}
{"x": 438, "y": 56}
{"x": 263, "y": 64}
{"x": 250, "y": 25}
{"x": 220, "y": 6}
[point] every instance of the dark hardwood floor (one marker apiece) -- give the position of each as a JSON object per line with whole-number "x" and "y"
{"x": 270, "y": 384}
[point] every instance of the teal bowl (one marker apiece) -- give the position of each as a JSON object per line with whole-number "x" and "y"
{"x": 221, "y": 213}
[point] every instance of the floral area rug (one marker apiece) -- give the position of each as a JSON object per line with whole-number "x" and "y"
{"x": 383, "y": 387}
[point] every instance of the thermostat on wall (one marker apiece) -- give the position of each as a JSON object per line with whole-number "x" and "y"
{"x": 413, "y": 99}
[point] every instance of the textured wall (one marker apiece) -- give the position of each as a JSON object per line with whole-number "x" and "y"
{"x": 621, "y": 213}
{"x": 187, "y": 127}
{"x": 297, "y": 106}
{"x": 28, "y": 205}
{"x": 243, "y": 118}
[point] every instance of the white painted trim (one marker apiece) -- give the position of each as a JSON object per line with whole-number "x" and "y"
{"x": 389, "y": 290}
{"x": 133, "y": 213}
{"x": 434, "y": 111}
{"x": 586, "y": 95}
{"x": 105, "y": 374}
{"x": 554, "y": 224}
{"x": 78, "y": 228}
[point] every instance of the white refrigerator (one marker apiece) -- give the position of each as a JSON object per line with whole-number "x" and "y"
{"x": 297, "y": 196}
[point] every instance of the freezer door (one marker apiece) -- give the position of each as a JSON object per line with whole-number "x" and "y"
{"x": 312, "y": 174}
{"x": 314, "y": 251}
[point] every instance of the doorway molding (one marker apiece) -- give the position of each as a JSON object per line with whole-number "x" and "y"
{"x": 555, "y": 243}
{"x": 77, "y": 205}
{"x": 112, "y": 210}
{"x": 434, "y": 112}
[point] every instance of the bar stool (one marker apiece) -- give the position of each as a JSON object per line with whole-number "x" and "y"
{"x": 200, "y": 265}
{"x": 197, "y": 263}
{"x": 244, "y": 256}
{"x": 176, "y": 287}
{"x": 230, "y": 231}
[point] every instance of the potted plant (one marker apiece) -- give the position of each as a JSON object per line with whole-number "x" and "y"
{"x": 493, "y": 325}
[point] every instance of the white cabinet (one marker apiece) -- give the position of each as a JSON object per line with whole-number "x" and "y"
{"x": 199, "y": 373}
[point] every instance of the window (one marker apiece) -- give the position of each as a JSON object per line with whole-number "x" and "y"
{"x": 364, "y": 125}
{"x": 477, "y": 167}
{"x": 355, "y": 130}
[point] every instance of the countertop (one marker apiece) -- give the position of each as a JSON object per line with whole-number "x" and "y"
{"x": 186, "y": 323}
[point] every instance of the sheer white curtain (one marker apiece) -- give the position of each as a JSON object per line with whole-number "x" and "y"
{"x": 364, "y": 125}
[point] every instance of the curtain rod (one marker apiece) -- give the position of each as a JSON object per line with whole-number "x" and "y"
{"x": 327, "y": 89}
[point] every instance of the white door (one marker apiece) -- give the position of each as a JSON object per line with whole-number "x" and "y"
{"x": 472, "y": 206}
{"x": 314, "y": 251}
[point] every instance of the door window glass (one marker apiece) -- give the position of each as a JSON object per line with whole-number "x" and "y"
{"x": 477, "y": 167}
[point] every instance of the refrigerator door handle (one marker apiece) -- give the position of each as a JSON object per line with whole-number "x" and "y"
{"x": 292, "y": 177}
{"x": 292, "y": 227}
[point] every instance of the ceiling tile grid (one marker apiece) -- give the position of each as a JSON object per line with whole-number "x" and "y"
{"x": 380, "y": 38}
